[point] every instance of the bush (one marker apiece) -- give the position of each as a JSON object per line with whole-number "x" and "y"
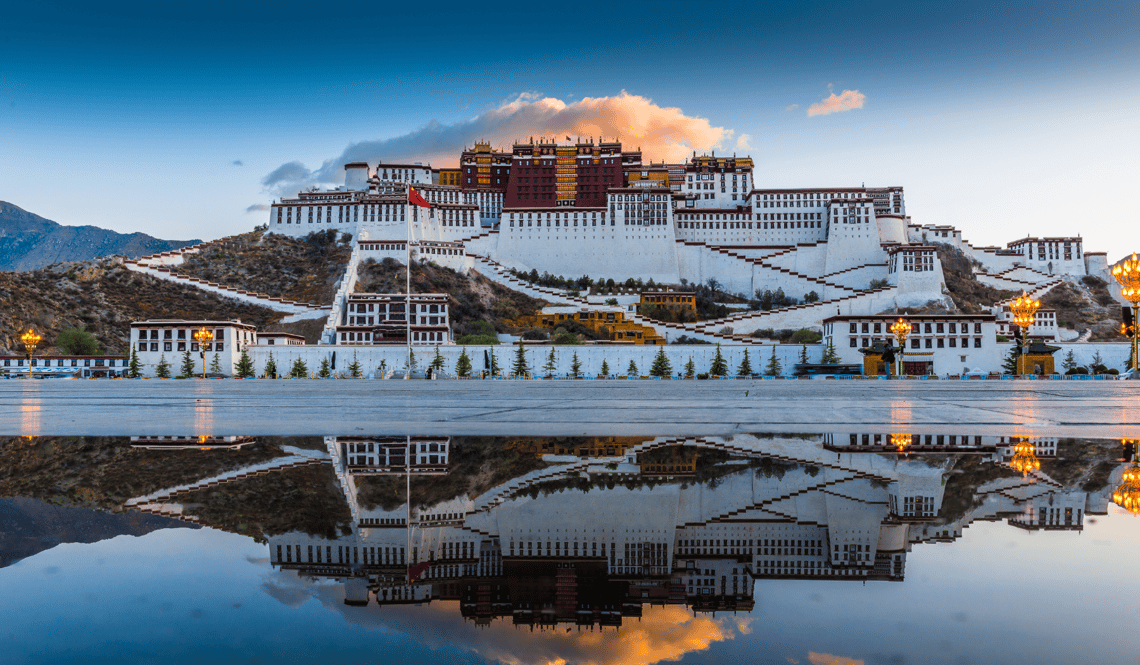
{"x": 703, "y": 376}
{"x": 879, "y": 284}
{"x": 535, "y": 334}
{"x": 479, "y": 327}
{"x": 477, "y": 340}
{"x": 76, "y": 342}
{"x": 565, "y": 338}
{"x": 805, "y": 336}
{"x": 1077, "y": 370}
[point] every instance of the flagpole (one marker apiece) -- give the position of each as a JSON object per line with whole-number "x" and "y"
{"x": 408, "y": 291}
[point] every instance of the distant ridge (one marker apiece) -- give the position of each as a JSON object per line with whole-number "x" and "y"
{"x": 28, "y": 241}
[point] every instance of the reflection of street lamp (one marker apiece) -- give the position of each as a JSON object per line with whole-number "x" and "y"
{"x": 901, "y": 442}
{"x": 1025, "y": 458}
{"x": 30, "y": 340}
{"x": 900, "y": 329}
{"x": 1127, "y": 496}
{"x": 1024, "y": 310}
{"x": 1127, "y": 273}
{"x": 203, "y": 337}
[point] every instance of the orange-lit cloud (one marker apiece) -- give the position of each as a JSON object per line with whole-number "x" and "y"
{"x": 844, "y": 101}
{"x": 662, "y": 133}
{"x": 828, "y": 659}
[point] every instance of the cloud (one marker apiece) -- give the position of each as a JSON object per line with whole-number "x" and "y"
{"x": 238, "y": 162}
{"x": 256, "y": 207}
{"x": 662, "y": 133}
{"x": 828, "y": 659}
{"x": 742, "y": 142}
{"x": 791, "y": 107}
{"x": 845, "y": 101}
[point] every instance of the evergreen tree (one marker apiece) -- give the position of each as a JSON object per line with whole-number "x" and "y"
{"x": 1009, "y": 365}
{"x": 134, "y": 371}
{"x": 745, "y": 368}
{"x": 411, "y": 361}
{"x": 163, "y": 368}
{"x": 1070, "y": 361}
{"x": 382, "y": 370}
{"x": 830, "y": 357}
{"x": 216, "y": 365}
{"x": 661, "y": 366}
{"x": 187, "y": 368}
{"x": 804, "y": 355}
{"x": 690, "y": 368}
{"x": 244, "y": 367}
{"x": 354, "y": 367}
{"x": 271, "y": 367}
{"x": 463, "y": 365}
{"x": 632, "y": 369}
{"x": 518, "y": 367}
{"x": 605, "y": 368}
{"x": 299, "y": 370}
{"x": 773, "y": 368}
{"x": 719, "y": 366}
{"x": 437, "y": 362}
{"x": 494, "y": 363}
{"x": 324, "y": 371}
{"x": 575, "y": 366}
{"x": 551, "y": 365}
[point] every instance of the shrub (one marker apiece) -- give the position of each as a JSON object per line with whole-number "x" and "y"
{"x": 805, "y": 336}
{"x": 76, "y": 342}
{"x": 476, "y": 340}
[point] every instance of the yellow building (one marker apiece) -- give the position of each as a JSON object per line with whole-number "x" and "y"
{"x": 608, "y": 323}
{"x": 449, "y": 177}
{"x": 589, "y": 447}
{"x": 674, "y": 301}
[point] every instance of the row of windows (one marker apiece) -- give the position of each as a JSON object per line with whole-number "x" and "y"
{"x": 219, "y": 334}
{"x": 919, "y": 328}
{"x": 74, "y": 362}
{"x": 918, "y": 343}
{"x": 168, "y": 346}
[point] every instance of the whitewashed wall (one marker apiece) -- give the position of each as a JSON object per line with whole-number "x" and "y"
{"x": 590, "y": 356}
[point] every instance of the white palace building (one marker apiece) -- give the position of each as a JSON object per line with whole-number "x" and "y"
{"x": 596, "y": 209}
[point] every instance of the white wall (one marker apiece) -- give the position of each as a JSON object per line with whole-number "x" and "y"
{"x": 590, "y": 356}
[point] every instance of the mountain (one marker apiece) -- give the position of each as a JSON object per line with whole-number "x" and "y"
{"x": 28, "y": 241}
{"x": 29, "y": 526}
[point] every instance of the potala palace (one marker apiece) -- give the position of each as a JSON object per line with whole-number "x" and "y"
{"x": 846, "y": 254}
{"x": 596, "y": 209}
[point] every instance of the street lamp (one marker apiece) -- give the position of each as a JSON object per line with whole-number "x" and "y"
{"x": 203, "y": 336}
{"x": 900, "y": 329}
{"x": 1024, "y": 310}
{"x": 1127, "y": 496}
{"x": 1127, "y": 273}
{"x": 30, "y": 340}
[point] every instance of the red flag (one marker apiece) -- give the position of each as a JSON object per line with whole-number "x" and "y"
{"x": 569, "y": 139}
{"x": 414, "y": 572}
{"x": 415, "y": 199}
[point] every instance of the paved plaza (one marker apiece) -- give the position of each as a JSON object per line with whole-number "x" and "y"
{"x": 345, "y": 407}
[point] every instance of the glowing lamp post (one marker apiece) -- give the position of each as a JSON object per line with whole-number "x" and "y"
{"x": 1127, "y": 496}
{"x": 203, "y": 336}
{"x": 1025, "y": 458}
{"x": 901, "y": 442}
{"x": 900, "y": 329}
{"x": 1127, "y": 273}
{"x": 1024, "y": 310}
{"x": 30, "y": 340}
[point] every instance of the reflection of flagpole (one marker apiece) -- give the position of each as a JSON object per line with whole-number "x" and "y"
{"x": 408, "y": 497}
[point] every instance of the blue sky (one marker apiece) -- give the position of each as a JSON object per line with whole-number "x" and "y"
{"x": 1006, "y": 120}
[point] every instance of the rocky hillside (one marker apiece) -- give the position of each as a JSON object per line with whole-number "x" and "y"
{"x": 473, "y": 296}
{"x": 28, "y": 241}
{"x": 103, "y": 298}
{"x": 302, "y": 269}
{"x": 1086, "y": 304}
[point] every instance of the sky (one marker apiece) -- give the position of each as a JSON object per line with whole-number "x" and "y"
{"x": 184, "y": 120}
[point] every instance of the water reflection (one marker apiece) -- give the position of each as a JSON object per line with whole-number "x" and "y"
{"x": 600, "y": 549}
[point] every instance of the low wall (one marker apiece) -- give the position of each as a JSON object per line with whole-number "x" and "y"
{"x": 590, "y": 357}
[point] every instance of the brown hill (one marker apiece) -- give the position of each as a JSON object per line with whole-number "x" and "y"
{"x": 302, "y": 269}
{"x": 103, "y": 298}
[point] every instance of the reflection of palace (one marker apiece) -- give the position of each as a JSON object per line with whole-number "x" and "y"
{"x": 604, "y": 525}
{"x": 202, "y": 442}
